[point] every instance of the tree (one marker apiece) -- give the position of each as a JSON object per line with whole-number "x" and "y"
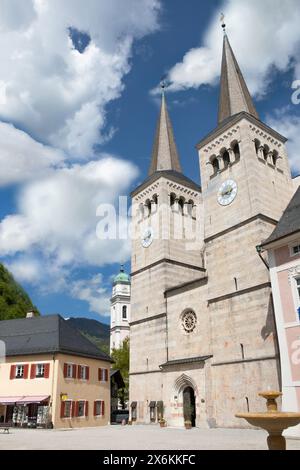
{"x": 121, "y": 358}
{"x": 14, "y": 301}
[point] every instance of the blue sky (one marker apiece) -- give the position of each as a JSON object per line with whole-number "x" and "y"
{"x": 78, "y": 119}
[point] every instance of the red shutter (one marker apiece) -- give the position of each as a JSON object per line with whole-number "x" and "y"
{"x": 74, "y": 371}
{"x": 65, "y": 370}
{"x": 103, "y": 408}
{"x": 77, "y": 409}
{"x": 87, "y": 373}
{"x": 62, "y": 409}
{"x": 99, "y": 374}
{"x": 95, "y": 408}
{"x": 73, "y": 409}
{"x": 26, "y": 369}
{"x": 78, "y": 372}
{"x": 12, "y": 372}
{"x": 33, "y": 371}
{"x": 47, "y": 371}
{"x": 86, "y": 408}
{"x": 106, "y": 375}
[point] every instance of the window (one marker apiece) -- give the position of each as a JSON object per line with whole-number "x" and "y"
{"x": 19, "y": 372}
{"x": 215, "y": 164}
{"x": 266, "y": 152}
{"x": 153, "y": 411}
{"x": 99, "y": 408}
{"x": 124, "y": 312}
{"x": 189, "y": 321}
{"x": 296, "y": 250}
{"x": 83, "y": 372}
{"x": 103, "y": 375}
{"x": 298, "y": 287}
{"x": 226, "y": 159}
{"x": 236, "y": 151}
{"x": 40, "y": 370}
{"x": 70, "y": 372}
{"x": 67, "y": 409}
{"x": 81, "y": 409}
{"x": 257, "y": 146}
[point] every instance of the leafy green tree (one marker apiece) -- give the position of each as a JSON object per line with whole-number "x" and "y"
{"x": 14, "y": 302}
{"x": 121, "y": 358}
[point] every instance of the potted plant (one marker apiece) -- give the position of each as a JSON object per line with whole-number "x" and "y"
{"x": 162, "y": 423}
{"x": 188, "y": 424}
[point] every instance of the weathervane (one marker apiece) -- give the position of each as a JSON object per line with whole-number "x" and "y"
{"x": 163, "y": 85}
{"x": 222, "y": 20}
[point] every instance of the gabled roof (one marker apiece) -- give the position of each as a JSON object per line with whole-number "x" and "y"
{"x": 169, "y": 174}
{"x": 289, "y": 222}
{"x": 234, "y": 93}
{"x": 46, "y": 334}
{"x": 164, "y": 154}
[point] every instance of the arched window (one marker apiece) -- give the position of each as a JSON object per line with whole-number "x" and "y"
{"x": 148, "y": 207}
{"x": 236, "y": 150}
{"x": 181, "y": 204}
{"x": 275, "y": 157}
{"x": 257, "y": 146}
{"x": 124, "y": 312}
{"x": 172, "y": 200}
{"x": 215, "y": 165}
{"x": 190, "y": 207}
{"x": 266, "y": 151}
{"x": 226, "y": 158}
{"x": 141, "y": 211}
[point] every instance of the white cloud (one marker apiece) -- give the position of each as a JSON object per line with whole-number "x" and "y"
{"x": 288, "y": 125}
{"x": 263, "y": 34}
{"x": 94, "y": 292}
{"x": 57, "y": 214}
{"x": 22, "y": 158}
{"x": 47, "y": 87}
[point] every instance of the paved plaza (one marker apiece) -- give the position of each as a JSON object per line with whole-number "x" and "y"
{"x": 137, "y": 438}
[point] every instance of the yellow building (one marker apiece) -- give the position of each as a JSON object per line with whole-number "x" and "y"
{"x": 52, "y": 375}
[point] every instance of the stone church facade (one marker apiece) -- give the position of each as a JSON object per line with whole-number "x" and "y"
{"x": 203, "y": 335}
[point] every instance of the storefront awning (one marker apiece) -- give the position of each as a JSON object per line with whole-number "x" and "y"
{"x": 32, "y": 399}
{"x": 9, "y": 400}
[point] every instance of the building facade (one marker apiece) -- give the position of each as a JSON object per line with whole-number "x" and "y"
{"x": 284, "y": 259}
{"x": 203, "y": 336}
{"x": 120, "y": 310}
{"x": 52, "y": 376}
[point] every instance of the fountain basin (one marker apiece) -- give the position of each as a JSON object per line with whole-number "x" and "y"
{"x": 271, "y": 421}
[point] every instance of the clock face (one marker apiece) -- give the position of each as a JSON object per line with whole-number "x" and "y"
{"x": 147, "y": 237}
{"x": 227, "y": 192}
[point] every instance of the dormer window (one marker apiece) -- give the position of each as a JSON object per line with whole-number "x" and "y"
{"x": 295, "y": 250}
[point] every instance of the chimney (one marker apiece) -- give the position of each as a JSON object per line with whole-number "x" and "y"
{"x": 30, "y": 315}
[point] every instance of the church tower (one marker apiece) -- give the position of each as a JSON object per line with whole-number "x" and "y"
{"x": 203, "y": 335}
{"x": 120, "y": 310}
{"x": 246, "y": 185}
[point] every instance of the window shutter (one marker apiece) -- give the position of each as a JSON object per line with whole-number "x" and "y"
{"x": 77, "y": 409}
{"x": 73, "y": 409}
{"x": 95, "y": 408}
{"x": 12, "y": 372}
{"x": 65, "y": 370}
{"x": 62, "y": 409}
{"x": 74, "y": 371}
{"x": 33, "y": 371}
{"x": 102, "y": 408}
{"x": 86, "y": 408}
{"x": 99, "y": 374}
{"x": 26, "y": 370}
{"x": 47, "y": 371}
{"x": 106, "y": 375}
{"x": 78, "y": 372}
{"x": 87, "y": 373}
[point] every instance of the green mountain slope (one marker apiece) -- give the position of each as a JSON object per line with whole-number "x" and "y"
{"x": 14, "y": 302}
{"x": 97, "y": 332}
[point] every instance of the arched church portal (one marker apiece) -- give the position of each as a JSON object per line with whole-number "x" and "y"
{"x": 189, "y": 405}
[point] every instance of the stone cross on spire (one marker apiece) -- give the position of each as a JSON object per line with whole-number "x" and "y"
{"x": 234, "y": 94}
{"x": 164, "y": 155}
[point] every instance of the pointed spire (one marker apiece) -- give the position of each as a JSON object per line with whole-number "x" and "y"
{"x": 164, "y": 155}
{"x": 234, "y": 94}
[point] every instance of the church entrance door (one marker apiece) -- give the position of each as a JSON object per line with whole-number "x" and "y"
{"x": 189, "y": 405}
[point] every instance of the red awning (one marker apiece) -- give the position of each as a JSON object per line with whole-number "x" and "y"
{"x": 9, "y": 400}
{"x": 32, "y": 399}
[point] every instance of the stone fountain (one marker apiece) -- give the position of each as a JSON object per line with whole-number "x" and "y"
{"x": 272, "y": 421}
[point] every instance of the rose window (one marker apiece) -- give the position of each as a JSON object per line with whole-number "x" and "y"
{"x": 189, "y": 321}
